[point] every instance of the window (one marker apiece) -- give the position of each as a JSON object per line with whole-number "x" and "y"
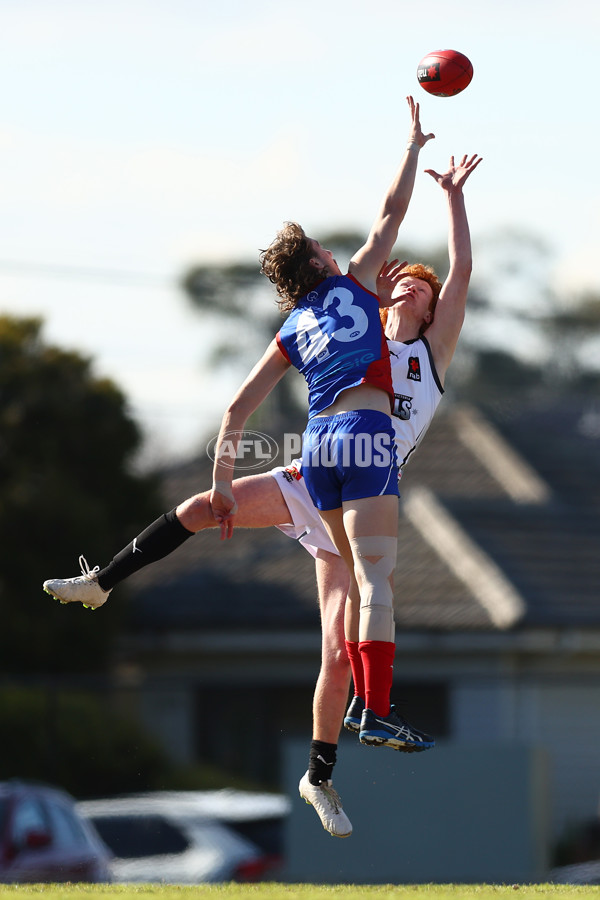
{"x": 267, "y": 715}
{"x": 131, "y": 836}
{"x": 67, "y": 831}
{"x": 28, "y": 817}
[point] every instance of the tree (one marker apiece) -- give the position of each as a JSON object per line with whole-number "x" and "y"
{"x": 67, "y": 486}
{"x": 574, "y": 326}
{"x": 77, "y": 740}
{"x": 238, "y": 294}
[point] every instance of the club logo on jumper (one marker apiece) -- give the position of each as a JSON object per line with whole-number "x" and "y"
{"x": 346, "y": 362}
{"x": 244, "y": 449}
{"x": 414, "y": 369}
{"x": 430, "y": 72}
{"x": 402, "y": 407}
{"x": 292, "y": 474}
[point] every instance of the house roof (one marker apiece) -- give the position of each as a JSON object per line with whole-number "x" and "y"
{"x": 550, "y": 554}
{"x": 563, "y": 438}
{"x": 497, "y": 531}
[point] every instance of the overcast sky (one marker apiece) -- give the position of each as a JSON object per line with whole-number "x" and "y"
{"x": 140, "y": 137}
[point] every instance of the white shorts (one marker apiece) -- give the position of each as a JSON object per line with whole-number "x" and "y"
{"x": 306, "y": 526}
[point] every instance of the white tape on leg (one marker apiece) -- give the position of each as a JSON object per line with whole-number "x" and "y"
{"x": 374, "y": 561}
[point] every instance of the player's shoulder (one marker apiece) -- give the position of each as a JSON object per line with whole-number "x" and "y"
{"x": 404, "y": 348}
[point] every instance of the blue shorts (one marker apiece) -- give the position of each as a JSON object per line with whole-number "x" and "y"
{"x": 349, "y": 457}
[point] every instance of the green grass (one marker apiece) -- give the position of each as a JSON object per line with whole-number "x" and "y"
{"x": 272, "y": 891}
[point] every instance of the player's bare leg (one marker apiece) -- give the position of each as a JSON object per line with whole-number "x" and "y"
{"x": 331, "y": 691}
{"x": 260, "y": 504}
{"x": 354, "y": 712}
{"x": 330, "y": 697}
{"x": 334, "y": 523}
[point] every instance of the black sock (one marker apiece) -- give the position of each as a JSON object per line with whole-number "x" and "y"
{"x": 322, "y": 760}
{"x": 156, "y": 541}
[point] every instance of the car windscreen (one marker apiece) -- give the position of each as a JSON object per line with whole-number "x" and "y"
{"x": 268, "y": 834}
{"x": 131, "y": 837}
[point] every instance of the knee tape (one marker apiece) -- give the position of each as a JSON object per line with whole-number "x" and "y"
{"x": 374, "y": 561}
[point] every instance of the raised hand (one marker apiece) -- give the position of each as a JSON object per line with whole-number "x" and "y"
{"x": 415, "y": 135}
{"x": 223, "y": 507}
{"x": 387, "y": 279}
{"x": 455, "y": 177}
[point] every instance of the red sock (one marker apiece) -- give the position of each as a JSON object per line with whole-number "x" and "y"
{"x": 378, "y": 667}
{"x": 356, "y": 664}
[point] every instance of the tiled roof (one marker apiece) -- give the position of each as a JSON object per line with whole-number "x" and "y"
{"x": 562, "y": 439}
{"x": 551, "y": 555}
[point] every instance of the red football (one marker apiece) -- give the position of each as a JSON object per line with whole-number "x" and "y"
{"x": 444, "y": 73}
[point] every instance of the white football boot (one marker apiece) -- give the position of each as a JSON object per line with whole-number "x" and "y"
{"x": 328, "y": 806}
{"x": 83, "y": 588}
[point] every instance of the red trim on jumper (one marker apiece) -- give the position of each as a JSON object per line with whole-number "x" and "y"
{"x": 379, "y": 372}
{"x": 363, "y": 288}
{"x": 282, "y": 348}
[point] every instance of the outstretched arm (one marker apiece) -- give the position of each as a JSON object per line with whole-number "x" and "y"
{"x": 444, "y": 331}
{"x": 366, "y": 263}
{"x": 257, "y": 386}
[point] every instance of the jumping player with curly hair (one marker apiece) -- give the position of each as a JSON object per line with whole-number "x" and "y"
{"x": 334, "y": 337}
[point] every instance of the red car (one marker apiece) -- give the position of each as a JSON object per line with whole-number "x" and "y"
{"x": 44, "y": 839}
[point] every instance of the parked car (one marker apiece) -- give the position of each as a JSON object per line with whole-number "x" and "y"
{"x": 44, "y": 839}
{"x": 191, "y": 837}
{"x": 259, "y": 816}
{"x": 577, "y": 873}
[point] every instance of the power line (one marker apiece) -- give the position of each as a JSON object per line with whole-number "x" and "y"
{"x": 123, "y": 277}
